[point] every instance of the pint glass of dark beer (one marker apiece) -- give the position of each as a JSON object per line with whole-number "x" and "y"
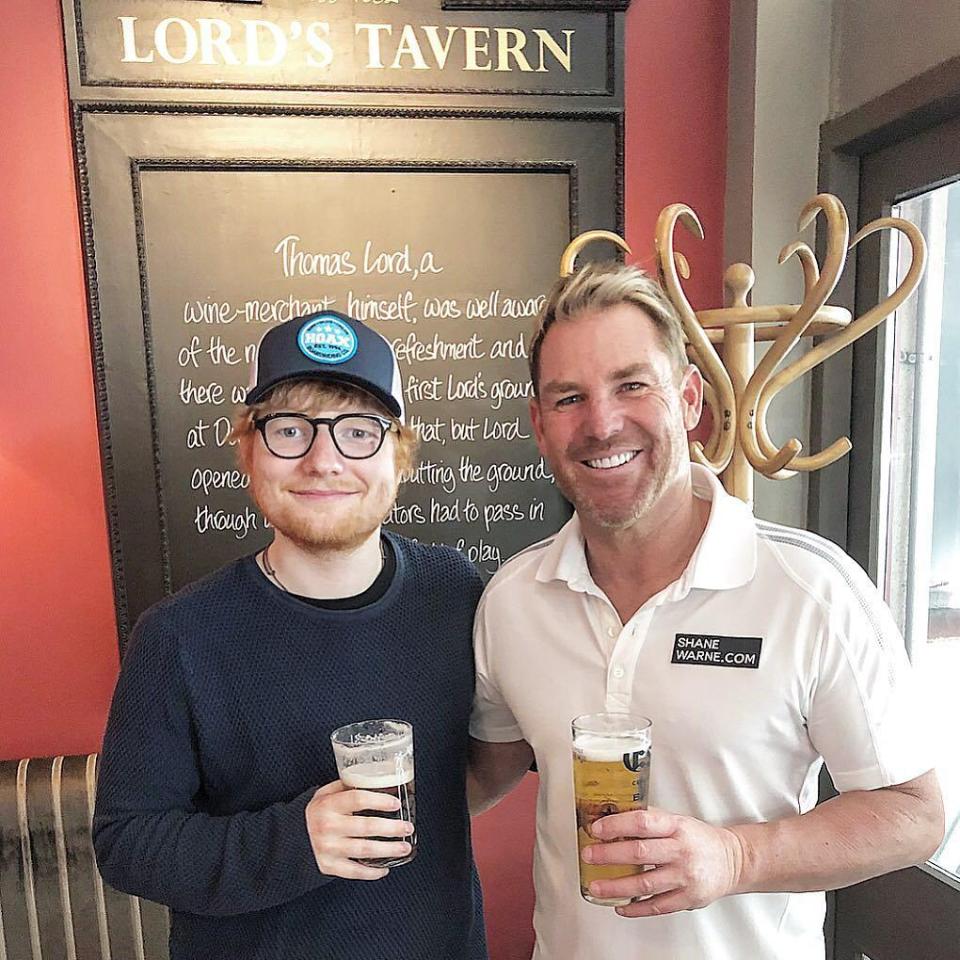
{"x": 378, "y": 755}
{"x": 611, "y": 774}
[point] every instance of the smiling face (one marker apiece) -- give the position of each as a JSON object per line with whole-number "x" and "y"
{"x": 612, "y": 415}
{"x": 323, "y": 500}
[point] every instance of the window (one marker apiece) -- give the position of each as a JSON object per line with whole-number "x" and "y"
{"x": 919, "y": 560}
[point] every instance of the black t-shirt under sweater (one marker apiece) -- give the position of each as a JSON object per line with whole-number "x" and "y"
{"x": 373, "y": 593}
{"x": 219, "y": 735}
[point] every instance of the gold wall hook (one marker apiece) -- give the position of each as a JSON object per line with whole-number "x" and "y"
{"x": 751, "y": 427}
{"x": 737, "y": 327}
{"x": 858, "y": 328}
{"x": 569, "y": 258}
{"x": 737, "y": 393}
{"x": 672, "y": 264}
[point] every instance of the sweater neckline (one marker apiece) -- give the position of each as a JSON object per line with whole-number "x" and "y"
{"x": 289, "y": 601}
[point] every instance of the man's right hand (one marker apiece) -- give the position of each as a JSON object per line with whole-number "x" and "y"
{"x": 338, "y": 837}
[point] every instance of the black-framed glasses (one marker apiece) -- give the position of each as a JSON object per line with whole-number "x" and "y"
{"x": 356, "y": 435}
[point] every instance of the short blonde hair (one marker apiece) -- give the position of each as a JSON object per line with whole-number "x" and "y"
{"x": 309, "y": 396}
{"x": 598, "y": 286}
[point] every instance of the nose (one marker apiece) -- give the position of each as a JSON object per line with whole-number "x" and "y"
{"x": 323, "y": 458}
{"x": 603, "y": 419}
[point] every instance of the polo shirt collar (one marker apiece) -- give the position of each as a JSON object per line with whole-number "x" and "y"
{"x": 565, "y": 559}
{"x": 725, "y": 558}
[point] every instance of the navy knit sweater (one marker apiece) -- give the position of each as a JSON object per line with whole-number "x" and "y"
{"x": 219, "y": 735}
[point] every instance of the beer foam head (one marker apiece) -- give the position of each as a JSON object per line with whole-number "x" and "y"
{"x": 373, "y": 741}
{"x": 599, "y": 749}
{"x": 390, "y": 736}
{"x": 379, "y": 774}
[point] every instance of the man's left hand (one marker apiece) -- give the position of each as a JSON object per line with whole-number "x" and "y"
{"x": 696, "y": 863}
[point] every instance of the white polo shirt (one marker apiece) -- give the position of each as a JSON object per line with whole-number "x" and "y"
{"x": 771, "y": 653}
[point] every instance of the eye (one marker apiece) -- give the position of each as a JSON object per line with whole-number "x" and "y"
{"x": 290, "y": 431}
{"x": 359, "y": 433}
{"x": 633, "y": 386}
{"x": 569, "y": 401}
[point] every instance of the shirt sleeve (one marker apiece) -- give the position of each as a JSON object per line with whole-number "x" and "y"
{"x": 867, "y": 717}
{"x": 492, "y": 719}
{"x": 151, "y": 838}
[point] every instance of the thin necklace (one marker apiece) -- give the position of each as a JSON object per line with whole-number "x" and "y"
{"x": 271, "y": 571}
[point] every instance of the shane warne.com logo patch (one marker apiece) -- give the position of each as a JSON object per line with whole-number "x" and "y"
{"x": 711, "y": 650}
{"x": 327, "y": 339}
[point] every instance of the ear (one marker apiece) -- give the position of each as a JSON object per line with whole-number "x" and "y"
{"x": 691, "y": 396}
{"x": 244, "y": 443}
{"x": 403, "y": 450}
{"x": 536, "y": 418}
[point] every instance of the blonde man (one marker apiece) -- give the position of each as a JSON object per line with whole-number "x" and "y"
{"x": 218, "y": 791}
{"x": 758, "y": 651}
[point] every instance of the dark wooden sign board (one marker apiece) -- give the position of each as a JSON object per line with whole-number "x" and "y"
{"x": 435, "y": 210}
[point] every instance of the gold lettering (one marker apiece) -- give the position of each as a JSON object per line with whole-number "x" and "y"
{"x": 254, "y": 58}
{"x": 214, "y": 41}
{"x": 315, "y": 37}
{"x": 373, "y": 42}
{"x": 564, "y": 56}
{"x": 130, "y": 42}
{"x": 189, "y": 40}
{"x": 475, "y": 47}
{"x": 409, "y": 47}
{"x": 219, "y": 41}
{"x": 440, "y": 50}
{"x": 506, "y": 49}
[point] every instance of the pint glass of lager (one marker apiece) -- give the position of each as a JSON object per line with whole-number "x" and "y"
{"x": 611, "y": 774}
{"x": 378, "y": 755}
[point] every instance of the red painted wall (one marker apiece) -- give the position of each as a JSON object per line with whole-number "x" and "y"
{"x": 58, "y": 638}
{"x": 676, "y": 92}
{"x": 57, "y": 633}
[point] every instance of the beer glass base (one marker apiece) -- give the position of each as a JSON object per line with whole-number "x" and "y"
{"x": 606, "y": 901}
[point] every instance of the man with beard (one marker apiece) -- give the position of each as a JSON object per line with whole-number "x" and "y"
{"x": 218, "y": 792}
{"x": 758, "y": 651}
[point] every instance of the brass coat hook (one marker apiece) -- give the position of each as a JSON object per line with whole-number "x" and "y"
{"x": 721, "y": 397}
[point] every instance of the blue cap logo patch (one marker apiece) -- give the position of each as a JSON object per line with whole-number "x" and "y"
{"x": 327, "y": 339}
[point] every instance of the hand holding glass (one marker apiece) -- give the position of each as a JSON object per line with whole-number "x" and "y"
{"x": 377, "y": 756}
{"x": 611, "y": 774}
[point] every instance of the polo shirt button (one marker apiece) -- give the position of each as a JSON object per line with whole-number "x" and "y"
{"x": 618, "y": 672}
{"x": 612, "y": 631}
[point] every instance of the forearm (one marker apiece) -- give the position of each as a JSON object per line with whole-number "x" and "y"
{"x": 493, "y": 771}
{"x": 852, "y": 837}
{"x": 478, "y": 800}
{"x": 481, "y": 796}
{"x": 202, "y": 864}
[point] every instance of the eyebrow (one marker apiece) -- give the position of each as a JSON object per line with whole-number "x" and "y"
{"x": 633, "y": 370}
{"x": 623, "y": 373}
{"x": 560, "y": 386}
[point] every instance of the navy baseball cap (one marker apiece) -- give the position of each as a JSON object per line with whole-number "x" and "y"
{"x": 327, "y": 346}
